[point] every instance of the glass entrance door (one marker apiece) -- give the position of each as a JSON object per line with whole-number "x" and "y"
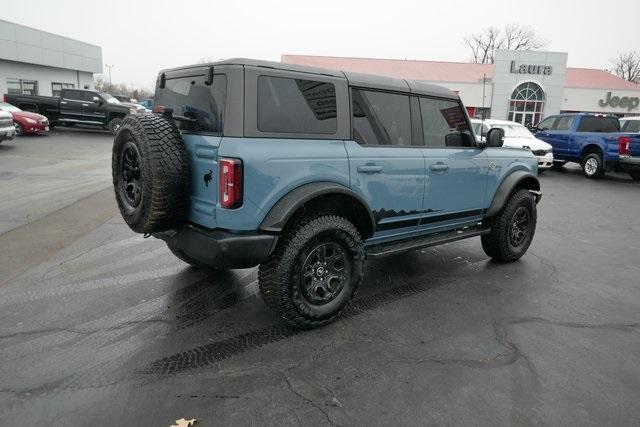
{"x": 526, "y": 104}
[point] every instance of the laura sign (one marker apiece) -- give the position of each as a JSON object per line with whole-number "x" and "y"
{"x": 628, "y": 102}
{"x": 530, "y": 69}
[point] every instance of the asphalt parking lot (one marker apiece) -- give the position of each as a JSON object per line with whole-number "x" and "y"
{"x": 99, "y": 326}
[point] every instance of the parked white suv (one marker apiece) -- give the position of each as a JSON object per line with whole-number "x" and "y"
{"x": 517, "y": 136}
{"x": 7, "y": 129}
{"x": 630, "y": 124}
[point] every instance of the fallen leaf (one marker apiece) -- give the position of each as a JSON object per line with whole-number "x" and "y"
{"x": 183, "y": 422}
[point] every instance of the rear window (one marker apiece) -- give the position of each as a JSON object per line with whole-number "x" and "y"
{"x": 631, "y": 126}
{"x": 287, "y": 105}
{"x": 599, "y": 124}
{"x": 197, "y": 107}
{"x": 380, "y": 118}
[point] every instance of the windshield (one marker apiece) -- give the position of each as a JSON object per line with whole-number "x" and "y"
{"x": 8, "y": 107}
{"x": 110, "y": 99}
{"x": 515, "y": 131}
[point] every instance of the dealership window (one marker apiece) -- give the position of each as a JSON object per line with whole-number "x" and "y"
{"x": 380, "y": 118}
{"x": 526, "y": 104}
{"x": 288, "y": 105}
{"x": 56, "y": 88}
{"x": 22, "y": 87}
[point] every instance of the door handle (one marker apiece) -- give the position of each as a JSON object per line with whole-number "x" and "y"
{"x": 85, "y": 105}
{"x": 369, "y": 169}
{"x": 63, "y": 102}
{"x": 439, "y": 167}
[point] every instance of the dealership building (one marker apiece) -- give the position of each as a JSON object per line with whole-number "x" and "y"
{"x": 35, "y": 62}
{"x": 522, "y": 86}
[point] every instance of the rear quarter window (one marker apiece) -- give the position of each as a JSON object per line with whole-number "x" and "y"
{"x": 599, "y": 124}
{"x": 288, "y": 105}
{"x": 197, "y": 107}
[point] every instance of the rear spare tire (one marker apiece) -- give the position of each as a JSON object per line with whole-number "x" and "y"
{"x": 150, "y": 173}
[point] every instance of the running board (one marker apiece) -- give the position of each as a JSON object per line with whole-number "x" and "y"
{"x": 393, "y": 248}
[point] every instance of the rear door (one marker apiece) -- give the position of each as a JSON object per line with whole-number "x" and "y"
{"x": 71, "y": 108}
{"x": 385, "y": 164}
{"x": 456, "y": 169}
{"x": 93, "y": 108}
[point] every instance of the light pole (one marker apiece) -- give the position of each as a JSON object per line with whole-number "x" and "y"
{"x": 109, "y": 66}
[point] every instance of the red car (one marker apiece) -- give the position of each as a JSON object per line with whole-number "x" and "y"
{"x": 26, "y": 123}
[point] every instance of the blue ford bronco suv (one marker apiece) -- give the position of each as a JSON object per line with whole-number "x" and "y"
{"x": 308, "y": 172}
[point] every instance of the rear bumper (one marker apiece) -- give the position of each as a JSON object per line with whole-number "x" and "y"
{"x": 630, "y": 162}
{"x": 221, "y": 249}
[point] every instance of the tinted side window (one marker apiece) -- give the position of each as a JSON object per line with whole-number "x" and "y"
{"x": 380, "y": 118}
{"x": 547, "y": 124}
{"x": 564, "y": 123}
{"x": 296, "y": 106}
{"x": 444, "y": 124}
{"x": 599, "y": 124}
{"x": 197, "y": 107}
{"x": 631, "y": 126}
{"x": 73, "y": 94}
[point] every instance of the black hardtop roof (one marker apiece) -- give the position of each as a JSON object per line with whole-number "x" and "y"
{"x": 354, "y": 79}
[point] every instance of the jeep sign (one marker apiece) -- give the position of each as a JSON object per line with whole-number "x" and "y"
{"x": 627, "y": 102}
{"x": 530, "y": 69}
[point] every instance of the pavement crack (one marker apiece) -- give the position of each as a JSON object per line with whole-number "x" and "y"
{"x": 308, "y": 401}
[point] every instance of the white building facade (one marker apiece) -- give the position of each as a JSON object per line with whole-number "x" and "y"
{"x": 522, "y": 86}
{"x": 36, "y": 62}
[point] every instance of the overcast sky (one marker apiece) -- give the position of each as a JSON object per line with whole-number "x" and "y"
{"x": 143, "y": 36}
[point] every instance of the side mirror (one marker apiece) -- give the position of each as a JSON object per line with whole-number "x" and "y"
{"x": 495, "y": 137}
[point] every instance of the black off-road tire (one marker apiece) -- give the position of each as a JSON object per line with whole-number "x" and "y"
{"x": 114, "y": 125}
{"x": 498, "y": 243}
{"x": 593, "y": 165}
{"x": 635, "y": 175}
{"x": 280, "y": 277}
{"x": 162, "y": 176}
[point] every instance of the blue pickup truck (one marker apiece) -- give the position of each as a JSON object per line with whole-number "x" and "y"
{"x": 593, "y": 141}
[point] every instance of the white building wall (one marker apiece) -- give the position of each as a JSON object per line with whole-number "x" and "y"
{"x": 470, "y": 93}
{"x": 504, "y": 81}
{"x": 43, "y": 75}
{"x": 587, "y": 100}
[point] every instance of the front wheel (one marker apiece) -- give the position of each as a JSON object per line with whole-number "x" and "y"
{"x": 593, "y": 166}
{"x": 314, "y": 271}
{"x": 512, "y": 229}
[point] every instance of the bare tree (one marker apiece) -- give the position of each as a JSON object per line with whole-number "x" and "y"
{"x": 484, "y": 44}
{"x": 627, "y": 66}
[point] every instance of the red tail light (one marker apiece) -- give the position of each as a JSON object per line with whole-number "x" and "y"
{"x": 623, "y": 145}
{"x": 230, "y": 183}
{"x": 5, "y": 98}
{"x": 159, "y": 109}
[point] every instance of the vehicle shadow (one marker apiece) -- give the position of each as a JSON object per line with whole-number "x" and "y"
{"x": 386, "y": 280}
{"x": 573, "y": 170}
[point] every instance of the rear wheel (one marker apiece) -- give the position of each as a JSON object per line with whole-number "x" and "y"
{"x": 314, "y": 271}
{"x": 635, "y": 175}
{"x": 512, "y": 229}
{"x": 593, "y": 166}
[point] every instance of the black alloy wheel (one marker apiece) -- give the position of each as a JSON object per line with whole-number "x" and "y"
{"x": 519, "y": 227}
{"x": 131, "y": 175}
{"x": 324, "y": 273}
